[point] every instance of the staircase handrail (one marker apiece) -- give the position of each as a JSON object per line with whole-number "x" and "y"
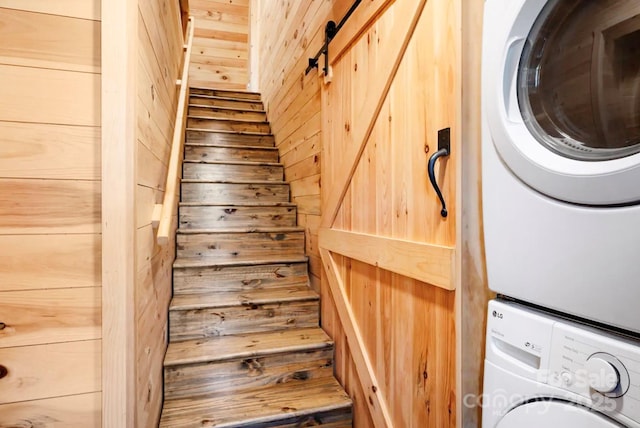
{"x": 164, "y": 212}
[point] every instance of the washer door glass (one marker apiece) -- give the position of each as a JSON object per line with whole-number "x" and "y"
{"x": 555, "y": 414}
{"x": 579, "y": 79}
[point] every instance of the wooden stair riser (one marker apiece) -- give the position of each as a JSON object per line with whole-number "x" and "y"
{"x": 231, "y": 171}
{"x": 262, "y": 128}
{"x": 229, "y": 193}
{"x": 229, "y": 114}
{"x": 229, "y": 154}
{"x": 237, "y": 278}
{"x": 226, "y": 246}
{"x": 246, "y": 373}
{"x": 229, "y": 139}
{"x": 202, "y": 323}
{"x": 206, "y": 101}
{"x": 214, "y": 217}
{"x": 238, "y": 95}
{"x": 341, "y": 418}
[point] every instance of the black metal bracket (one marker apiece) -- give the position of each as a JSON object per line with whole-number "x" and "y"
{"x": 444, "y": 149}
{"x": 330, "y": 31}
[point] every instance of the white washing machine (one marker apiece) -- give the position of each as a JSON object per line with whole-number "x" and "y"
{"x": 561, "y": 155}
{"x": 544, "y": 371}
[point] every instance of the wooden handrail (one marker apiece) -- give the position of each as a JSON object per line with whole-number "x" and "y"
{"x": 169, "y": 203}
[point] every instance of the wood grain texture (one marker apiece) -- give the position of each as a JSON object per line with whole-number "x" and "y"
{"x": 73, "y": 411}
{"x": 38, "y": 94}
{"x": 475, "y": 293}
{"x": 30, "y": 375}
{"x": 208, "y": 192}
{"x": 159, "y": 57}
{"x": 316, "y": 401}
{"x": 50, "y": 172}
{"x": 49, "y": 206}
{"x": 432, "y": 264}
{"x": 241, "y": 171}
{"x": 49, "y": 41}
{"x": 49, "y": 151}
{"x": 49, "y": 261}
{"x": 216, "y": 216}
{"x": 232, "y": 153}
{"x": 86, "y": 9}
{"x": 50, "y": 316}
{"x": 119, "y": 132}
{"x": 387, "y": 194}
{"x": 221, "y": 33}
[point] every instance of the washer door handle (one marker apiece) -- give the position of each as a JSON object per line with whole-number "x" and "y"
{"x": 444, "y": 149}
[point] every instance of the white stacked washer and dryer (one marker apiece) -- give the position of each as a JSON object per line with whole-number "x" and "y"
{"x": 561, "y": 204}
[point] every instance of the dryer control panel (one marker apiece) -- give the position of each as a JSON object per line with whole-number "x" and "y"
{"x": 599, "y": 366}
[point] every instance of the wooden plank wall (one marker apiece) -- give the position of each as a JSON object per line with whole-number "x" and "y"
{"x": 50, "y": 192}
{"x": 160, "y": 53}
{"x": 220, "y": 54}
{"x": 290, "y": 33}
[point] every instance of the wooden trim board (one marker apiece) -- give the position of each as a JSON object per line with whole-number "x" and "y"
{"x": 375, "y": 401}
{"x": 433, "y": 264}
{"x": 119, "y": 96}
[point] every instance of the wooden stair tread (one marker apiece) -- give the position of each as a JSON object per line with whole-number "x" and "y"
{"x": 182, "y": 262}
{"x": 226, "y": 119}
{"x": 236, "y": 229}
{"x": 245, "y": 345}
{"x": 225, "y": 131}
{"x": 267, "y": 182}
{"x": 227, "y": 91}
{"x": 230, "y": 146}
{"x": 258, "y": 406}
{"x": 237, "y": 204}
{"x": 192, "y": 104}
{"x": 233, "y": 162}
{"x": 261, "y": 296}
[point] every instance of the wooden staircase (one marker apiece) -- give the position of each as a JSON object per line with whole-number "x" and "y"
{"x": 245, "y": 346}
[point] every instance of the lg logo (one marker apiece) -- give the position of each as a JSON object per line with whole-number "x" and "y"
{"x": 497, "y": 314}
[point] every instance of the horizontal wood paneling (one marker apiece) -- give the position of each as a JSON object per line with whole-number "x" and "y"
{"x": 73, "y": 411}
{"x": 49, "y": 151}
{"x": 46, "y": 371}
{"x": 38, "y": 95}
{"x": 49, "y": 206}
{"x": 220, "y": 46}
{"x": 86, "y": 9}
{"x": 74, "y": 44}
{"x": 31, "y": 318}
{"x": 30, "y": 262}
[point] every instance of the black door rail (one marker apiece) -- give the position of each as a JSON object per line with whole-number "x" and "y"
{"x": 330, "y": 31}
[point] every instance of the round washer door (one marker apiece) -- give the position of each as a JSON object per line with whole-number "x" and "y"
{"x": 561, "y": 94}
{"x": 554, "y": 414}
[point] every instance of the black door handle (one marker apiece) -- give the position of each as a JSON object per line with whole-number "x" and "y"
{"x": 444, "y": 149}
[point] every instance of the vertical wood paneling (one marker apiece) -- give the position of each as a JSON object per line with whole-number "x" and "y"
{"x": 220, "y": 55}
{"x": 50, "y": 234}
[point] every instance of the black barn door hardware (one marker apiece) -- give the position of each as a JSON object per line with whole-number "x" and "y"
{"x": 444, "y": 149}
{"x": 330, "y": 31}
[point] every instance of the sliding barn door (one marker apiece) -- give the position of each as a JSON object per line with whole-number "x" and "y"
{"x": 389, "y": 256}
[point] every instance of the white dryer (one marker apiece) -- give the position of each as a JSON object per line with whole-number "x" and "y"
{"x": 544, "y": 371}
{"x": 561, "y": 155}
